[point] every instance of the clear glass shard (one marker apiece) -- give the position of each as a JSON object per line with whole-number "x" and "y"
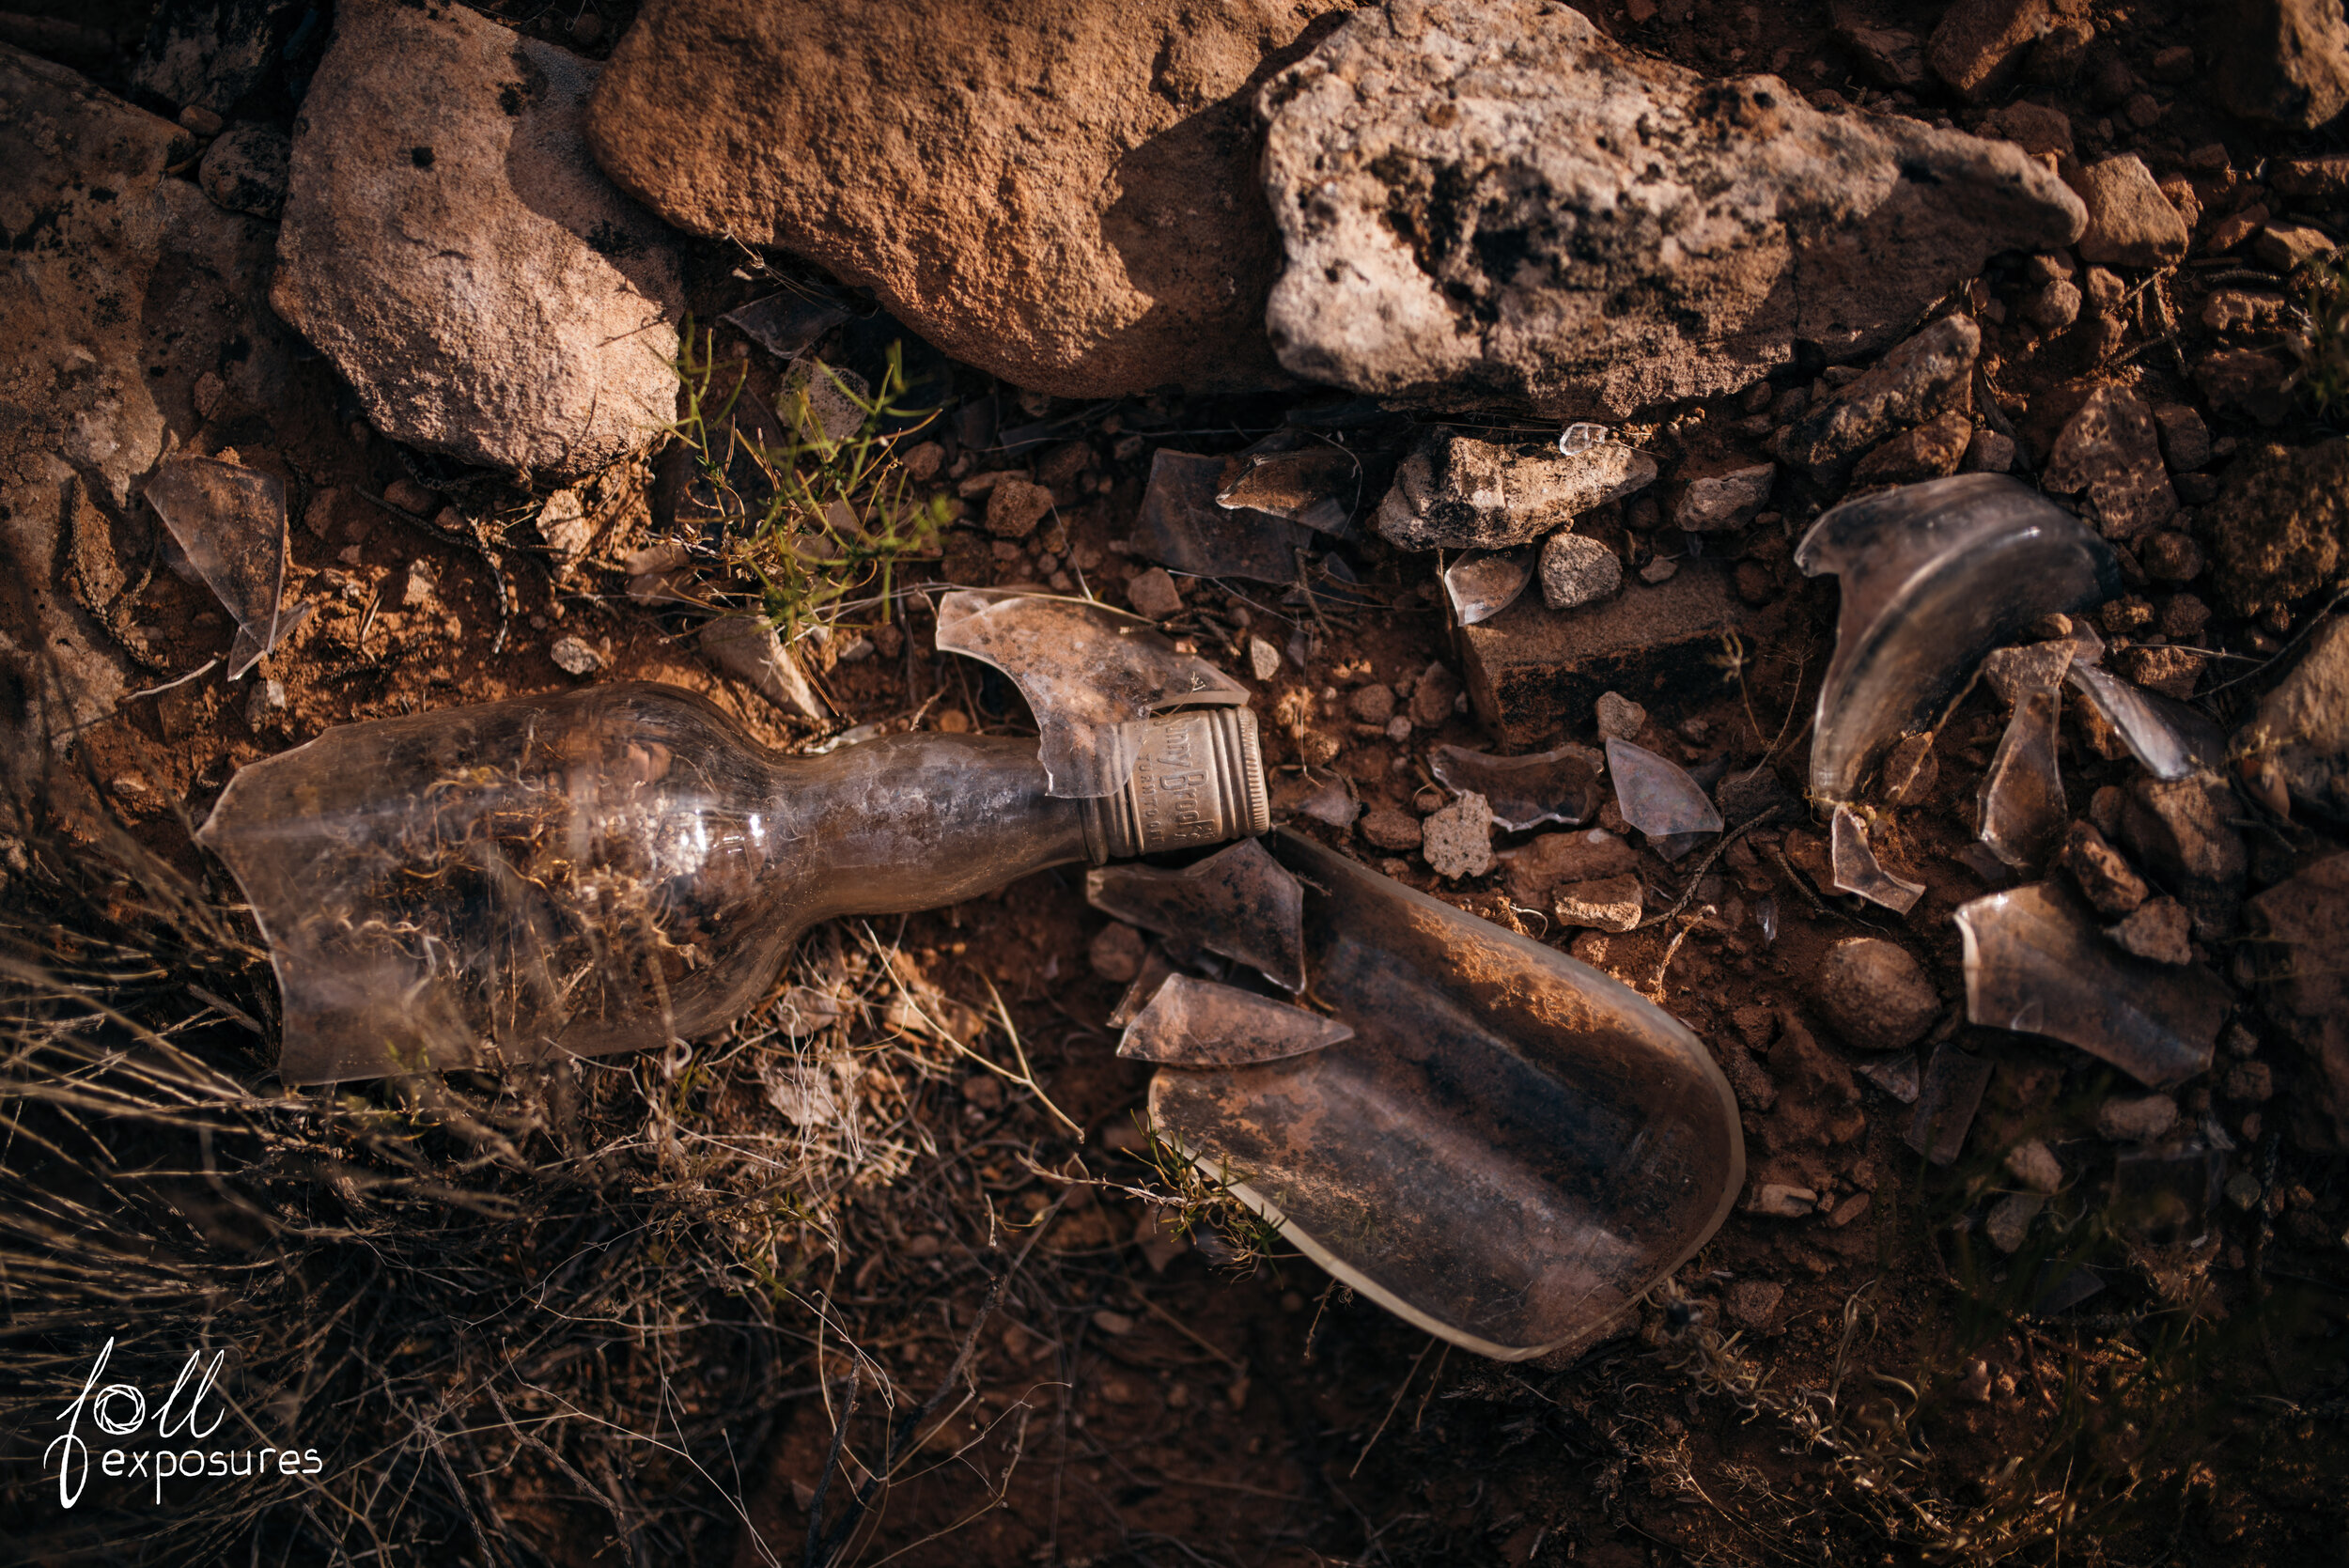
{"x": 1155, "y": 967}
{"x": 1482, "y": 584}
{"x": 1240, "y": 901}
{"x": 1853, "y": 866}
{"x": 2023, "y": 811}
{"x": 1511, "y": 1150}
{"x": 1296, "y": 478}
{"x": 1560, "y": 786}
{"x": 2171, "y": 740}
{"x": 787, "y": 324}
{"x": 1090, "y": 675}
{"x": 1947, "y": 1097}
{"x": 2036, "y": 963}
{"x": 1191, "y": 1022}
{"x": 230, "y": 522}
{"x": 1897, "y": 1076}
{"x": 1934, "y": 576}
{"x": 1658, "y": 797}
{"x": 1581, "y": 436}
{"x": 1184, "y": 527}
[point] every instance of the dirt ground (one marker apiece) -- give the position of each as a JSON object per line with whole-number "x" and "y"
{"x": 1871, "y": 1383}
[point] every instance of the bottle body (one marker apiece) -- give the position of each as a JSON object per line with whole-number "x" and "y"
{"x": 595, "y": 871}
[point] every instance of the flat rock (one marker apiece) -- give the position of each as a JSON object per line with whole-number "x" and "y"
{"x": 1452, "y": 491}
{"x": 2159, "y": 929}
{"x": 2284, "y": 61}
{"x": 2280, "y": 524}
{"x": 2109, "y": 454}
{"x": 2131, "y": 222}
{"x": 2185, "y": 439}
{"x": 1389, "y": 829}
{"x": 1610, "y": 904}
{"x": 1978, "y": 46}
{"x": 1055, "y": 191}
{"x": 2181, "y": 834}
{"x": 449, "y": 245}
{"x": 1924, "y": 377}
{"x": 1538, "y": 870}
{"x": 2136, "y": 1118}
{"x": 1458, "y": 838}
{"x": 2299, "y": 738}
{"x": 1715, "y": 503}
{"x": 2300, "y": 928}
{"x": 1491, "y": 202}
{"x": 1931, "y": 451}
{"x": 2247, "y": 384}
{"x": 1874, "y": 994}
{"x": 1578, "y": 570}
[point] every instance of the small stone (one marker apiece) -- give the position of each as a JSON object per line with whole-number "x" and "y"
{"x": 1989, "y": 453}
{"x": 2183, "y": 617}
{"x": 2136, "y": 1118}
{"x": 244, "y": 171}
{"x": 2250, "y": 1082}
{"x": 2181, "y": 832}
{"x": 1719, "y": 501}
{"x": 1612, "y": 904}
{"x": 1536, "y": 871}
{"x": 1753, "y": 1302}
{"x": 562, "y": 522}
{"x": 1433, "y": 696}
{"x": 1458, "y": 840}
{"x": 2033, "y": 127}
{"x": 202, "y": 121}
{"x": 1756, "y": 584}
{"x": 2170, "y": 670}
{"x": 2008, "y": 1224}
{"x": 266, "y": 702}
{"x": 2055, "y": 307}
{"x": 1015, "y": 507}
{"x": 746, "y": 648}
{"x": 2110, "y": 452}
{"x": 2035, "y": 1166}
{"x": 1874, "y": 994}
{"x": 1891, "y": 56}
{"x": 1153, "y": 595}
{"x": 574, "y": 657}
{"x": 2131, "y": 222}
{"x": 1973, "y": 1385}
{"x": 1263, "y": 663}
{"x": 2235, "y": 228}
{"x": 2103, "y": 875}
{"x": 1620, "y": 717}
{"x": 1930, "y": 451}
{"x": 1658, "y": 570}
{"x": 2243, "y": 1190}
{"x": 1977, "y": 47}
{"x": 1780, "y": 1201}
{"x": 1372, "y": 705}
{"x": 417, "y": 590}
{"x": 2185, "y": 439}
{"x": 1389, "y": 829}
{"x": 1398, "y": 731}
{"x": 2282, "y": 246}
{"x": 1575, "y": 570}
{"x": 2170, "y": 556}
{"x": 1923, "y": 377}
{"x": 1454, "y": 491}
{"x": 410, "y": 497}
{"x": 2245, "y": 383}
{"x": 1115, "y": 953}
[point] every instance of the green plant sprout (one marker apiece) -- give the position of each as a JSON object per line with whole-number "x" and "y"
{"x": 815, "y": 518}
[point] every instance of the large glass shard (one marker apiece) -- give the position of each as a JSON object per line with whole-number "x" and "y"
{"x": 2023, "y": 810}
{"x": 1947, "y": 1097}
{"x": 1934, "y": 576}
{"x": 1481, "y": 585}
{"x": 1511, "y": 1150}
{"x": 1853, "y": 868}
{"x": 1293, "y": 475}
{"x": 2036, "y": 963}
{"x": 1183, "y": 526}
{"x": 1191, "y": 1022}
{"x": 1090, "y": 675}
{"x": 1156, "y": 967}
{"x": 2172, "y": 741}
{"x": 1656, "y": 796}
{"x": 1239, "y": 902}
{"x": 787, "y": 325}
{"x": 1560, "y": 786}
{"x": 230, "y": 522}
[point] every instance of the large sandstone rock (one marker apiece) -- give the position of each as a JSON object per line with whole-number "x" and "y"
{"x": 451, "y": 247}
{"x": 1062, "y": 192}
{"x": 123, "y": 288}
{"x": 1487, "y": 200}
{"x": 2286, "y": 61}
{"x": 2298, "y": 741}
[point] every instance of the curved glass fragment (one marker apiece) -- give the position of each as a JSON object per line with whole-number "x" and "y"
{"x": 1481, "y": 583}
{"x": 1657, "y": 795}
{"x": 1240, "y": 901}
{"x": 1852, "y": 866}
{"x": 1934, "y": 576}
{"x": 2171, "y": 740}
{"x": 230, "y": 522}
{"x": 1511, "y": 1150}
{"x": 1560, "y": 786}
{"x": 1193, "y": 1022}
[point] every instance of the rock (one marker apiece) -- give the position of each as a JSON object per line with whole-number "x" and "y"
{"x": 211, "y": 54}
{"x": 2179, "y": 833}
{"x": 1153, "y": 595}
{"x": 2056, "y": 306}
{"x": 1661, "y": 569}
{"x": 2234, "y": 229}
{"x": 2278, "y": 530}
{"x": 1978, "y": 47}
{"x": 1372, "y": 705}
{"x": 1670, "y": 235}
{"x": 1619, "y": 718}
{"x": 1389, "y": 829}
{"x": 1717, "y": 502}
{"x": 2035, "y": 1166}
{"x": 2249, "y": 1082}
{"x": 562, "y": 522}
{"x": 2109, "y": 453}
{"x": 2171, "y": 672}
{"x": 1753, "y": 1302}
{"x": 2131, "y": 222}
{"x": 2298, "y": 739}
{"x": 2060, "y": 52}
{"x": 748, "y": 649}
{"x": 450, "y": 247}
{"x": 1931, "y": 451}
{"x": 1532, "y": 672}
{"x": 1612, "y": 904}
{"x": 2185, "y": 439}
{"x": 1781, "y": 1200}
{"x": 245, "y": 170}
{"x": 1576, "y": 571}
{"x": 2287, "y": 246}
{"x": 2136, "y": 1118}
{"x": 1989, "y": 452}
{"x": 1015, "y": 507}
{"x": 1057, "y": 191}
{"x": 1890, "y": 57}
{"x": 1925, "y": 376}
{"x": 1433, "y": 696}
{"x": 2104, "y": 877}
{"x": 2324, "y": 178}
{"x": 2283, "y": 61}
{"x": 1536, "y": 872}
{"x": 266, "y": 704}
{"x": 2008, "y": 1226}
{"x": 2297, "y": 931}
{"x": 1874, "y": 994}
{"x": 1115, "y": 953}
{"x": 1263, "y": 663}
{"x": 2158, "y": 930}
{"x": 2033, "y": 127}
{"x": 1458, "y": 840}
{"x": 2246, "y": 384}
{"x": 573, "y": 657}
{"x": 1454, "y": 491}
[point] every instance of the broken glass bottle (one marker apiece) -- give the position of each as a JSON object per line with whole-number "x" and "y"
{"x": 601, "y": 870}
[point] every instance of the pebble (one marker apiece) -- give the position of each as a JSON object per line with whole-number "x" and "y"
{"x": 2170, "y": 556}
{"x": 2131, "y": 222}
{"x": 1931, "y": 451}
{"x": 1115, "y": 953}
{"x": 1753, "y": 1302}
{"x": 2035, "y": 1166}
{"x": 1433, "y": 694}
{"x": 1264, "y": 659}
{"x": 1719, "y": 501}
{"x": 1458, "y": 840}
{"x": 2253, "y": 1082}
{"x": 1778, "y": 1201}
{"x": 1610, "y": 904}
{"x": 266, "y": 701}
{"x": 1372, "y": 705}
{"x": 1576, "y": 571}
{"x": 1923, "y": 376}
{"x": 1989, "y": 453}
{"x": 1620, "y": 717}
{"x": 1874, "y": 994}
{"x": 2009, "y": 1222}
{"x": 2185, "y": 439}
{"x": 1015, "y": 507}
{"x": 574, "y": 657}
{"x": 1389, "y": 829}
{"x": 2282, "y": 246}
{"x": 2157, "y": 929}
{"x": 2103, "y": 875}
{"x": 2110, "y": 452}
{"x": 1660, "y": 570}
{"x": 2243, "y": 1190}
{"x": 2136, "y": 1118}
{"x": 1152, "y": 593}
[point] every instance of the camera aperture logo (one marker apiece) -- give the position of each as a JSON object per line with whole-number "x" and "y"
{"x": 156, "y": 1455}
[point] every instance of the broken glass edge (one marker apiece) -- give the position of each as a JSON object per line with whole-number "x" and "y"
{"x": 2027, "y": 745}
{"x": 1507, "y": 573}
{"x": 2158, "y": 738}
{"x": 1900, "y": 901}
{"x": 1312, "y": 1030}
